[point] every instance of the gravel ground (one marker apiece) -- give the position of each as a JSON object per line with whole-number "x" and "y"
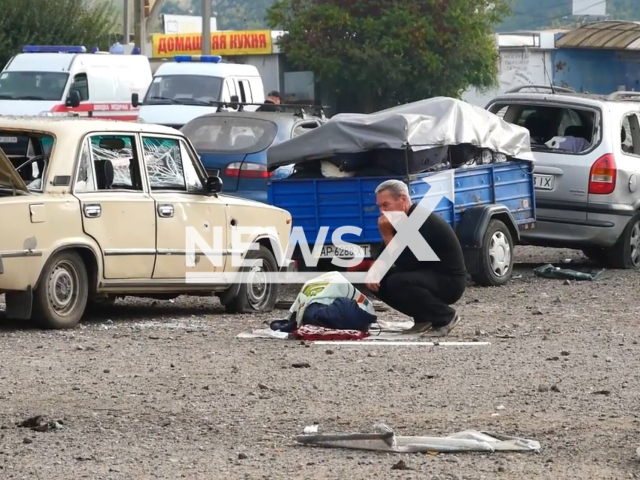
{"x": 152, "y": 389}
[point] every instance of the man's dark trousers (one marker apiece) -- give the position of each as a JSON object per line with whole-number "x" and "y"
{"x": 424, "y": 295}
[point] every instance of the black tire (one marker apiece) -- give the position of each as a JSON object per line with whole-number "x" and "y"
{"x": 258, "y": 297}
{"x": 496, "y": 256}
{"x": 625, "y": 254}
{"x": 60, "y": 300}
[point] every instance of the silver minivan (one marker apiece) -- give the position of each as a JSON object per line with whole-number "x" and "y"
{"x": 587, "y": 152}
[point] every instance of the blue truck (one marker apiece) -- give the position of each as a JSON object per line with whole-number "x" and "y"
{"x": 493, "y": 190}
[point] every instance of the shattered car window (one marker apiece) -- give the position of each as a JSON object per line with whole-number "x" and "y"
{"x": 163, "y": 160}
{"x": 112, "y": 164}
{"x": 85, "y": 180}
{"x": 29, "y": 154}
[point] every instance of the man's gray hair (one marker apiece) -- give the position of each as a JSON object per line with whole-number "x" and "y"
{"x": 396, "y": 187}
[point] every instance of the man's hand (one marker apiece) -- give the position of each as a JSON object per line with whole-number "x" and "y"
{"x": 384, "y": 225}
{"x": 374, "y": 287}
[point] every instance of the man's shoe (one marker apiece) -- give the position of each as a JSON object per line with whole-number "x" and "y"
{"x": 445, "y": 330}
{"x": 419, "y": 327}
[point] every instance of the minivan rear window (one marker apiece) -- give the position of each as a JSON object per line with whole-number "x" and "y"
{"x": 561, "y": 128}
{"x": 226, "y": 134}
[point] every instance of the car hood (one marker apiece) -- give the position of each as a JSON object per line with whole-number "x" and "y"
{"x": 8, "y": 175}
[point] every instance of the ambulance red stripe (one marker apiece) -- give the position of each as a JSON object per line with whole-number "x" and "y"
{"x": 112, "y": 111}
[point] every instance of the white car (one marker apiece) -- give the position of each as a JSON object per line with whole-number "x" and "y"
{"x": 93, "y": 209}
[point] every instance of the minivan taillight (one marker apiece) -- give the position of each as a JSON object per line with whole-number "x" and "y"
{"x": 602, "y": 177}
{"x": 246, "y": 170}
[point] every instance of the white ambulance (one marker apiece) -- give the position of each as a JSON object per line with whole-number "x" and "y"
{"x": 193, "y": 85}
{"x": 59, "y": 80}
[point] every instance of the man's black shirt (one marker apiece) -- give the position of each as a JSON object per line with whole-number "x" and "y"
{"x": 443, "y": 241}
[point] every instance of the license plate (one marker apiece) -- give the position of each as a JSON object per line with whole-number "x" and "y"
{"x": 351, "y": 251}
{"x": 8, "y": 139}
{"x": 543, "y": 182}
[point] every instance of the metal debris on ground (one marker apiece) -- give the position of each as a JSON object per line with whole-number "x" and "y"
{"x": 385, "y": 440}
{"x": 550, "y": 271}
{"x": 37, "y": 423}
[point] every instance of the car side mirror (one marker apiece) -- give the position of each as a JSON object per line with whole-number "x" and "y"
{"x": 214, "y": 185}
{"x": 135, "y": 100}
{"x": 74, "y": 99}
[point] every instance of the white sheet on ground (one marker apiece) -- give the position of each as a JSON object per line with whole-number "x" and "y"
{"x": 385, "y": 440}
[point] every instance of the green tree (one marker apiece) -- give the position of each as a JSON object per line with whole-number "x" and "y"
{"x": 374, "y": 54}
{"x": 53, "y": 22}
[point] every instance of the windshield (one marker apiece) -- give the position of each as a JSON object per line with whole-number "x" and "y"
{"x": 29, "y": 154}
{"x": 32, "y": 85}
{"x": 235, "y": 135}
{"x": 184, "y": 90}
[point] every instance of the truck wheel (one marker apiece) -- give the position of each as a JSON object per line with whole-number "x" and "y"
{"x": 626, "y": 252}
{"x": 257, "y": 293}
{"x": 61, "y": 297}
{"x": 496, "y": 256}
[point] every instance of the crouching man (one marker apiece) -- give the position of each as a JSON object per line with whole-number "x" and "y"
{"x": 423, "y": 290}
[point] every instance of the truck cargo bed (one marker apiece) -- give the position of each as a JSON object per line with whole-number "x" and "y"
{"x": 338, "y": 202}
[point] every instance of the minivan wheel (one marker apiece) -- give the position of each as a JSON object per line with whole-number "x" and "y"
{"x": 257, "y": 293}
{"x": 496, "y": 256}
{"x": 626, "y": 253}
{"x": 61, "y": 297}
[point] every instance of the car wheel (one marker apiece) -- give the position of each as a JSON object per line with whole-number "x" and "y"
{"x": 61, "y": 297}
{"x": 257, "y": 293}
{"x": 626, "y": 253}
{"x": 496, "y": 256}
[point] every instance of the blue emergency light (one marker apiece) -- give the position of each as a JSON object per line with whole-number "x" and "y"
{"x": 53, "y": 49}
{"x": 198, "y": 58}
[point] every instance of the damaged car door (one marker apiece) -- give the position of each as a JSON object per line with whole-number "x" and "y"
{"x": 191, "y": 224}
{"x": 116, "y": 210}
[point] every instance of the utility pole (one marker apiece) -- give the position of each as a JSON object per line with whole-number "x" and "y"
{"x": 141, "y": 10}
{"x": 126, "y": 23}
{"x": 154, "y": 12}
{"x": 206, "y": 27}
{"x": 138, "y": 24}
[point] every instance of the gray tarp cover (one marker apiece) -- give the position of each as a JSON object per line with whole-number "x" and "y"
{"x": 435, "y": 122}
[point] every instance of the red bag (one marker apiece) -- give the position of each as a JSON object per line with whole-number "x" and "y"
{"x": 311, "y": 333}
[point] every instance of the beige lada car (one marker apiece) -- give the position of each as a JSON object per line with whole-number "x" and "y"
{"x": 92, "y": 210}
